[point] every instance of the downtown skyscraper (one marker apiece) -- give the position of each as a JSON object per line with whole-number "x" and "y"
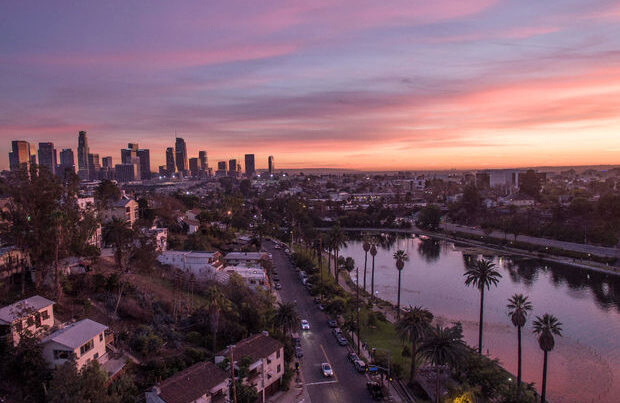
{"x": 48, "y": 157}
{"x": 170, "y": 161}
{"x": 250, "y": 168}
{"x": 180, "y": 153}
{"x": 19, "y": 157}
{"x": 82, "y": 156}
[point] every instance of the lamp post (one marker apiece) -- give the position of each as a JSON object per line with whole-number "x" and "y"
{"x": 357, "y": 303}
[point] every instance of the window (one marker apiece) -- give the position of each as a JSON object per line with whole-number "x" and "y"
{"x": 96, "y": 356}
{"x": 37, "y": 317}
{"x": 30, "y": 320}
{"x": 45, "y": 315}
{"x": 87, "y": 347}
{"x": 18, "y": 326}
{"x": 278, "y": 354}
{"x": 62, "y": 354}
{"x": 101, "y": 337}
{"x": 279, "y": 368}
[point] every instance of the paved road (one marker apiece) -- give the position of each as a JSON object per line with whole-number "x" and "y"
{"x": 318, "y": 344}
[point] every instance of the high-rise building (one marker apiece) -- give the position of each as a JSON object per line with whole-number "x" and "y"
{"x": 82, "y": 155}
{"x": 145, "y": 163}
{"x": 67, "y": 160}
{"x": 128, "y": 153}
{"x": 232, "y": 167}
{"x": 170, "y": 163}
{"x": 19, "y": 157}
{"x": 126, "y": 172}
{"x": 136, "y": 162}
{"x": 271, "y": 164}
{"x": 180, "y": 152}
{"x": 94, "y": 166}
{"x": 106, "y": 162}
{"x": 221, "y": 168}
{"x": 250, "y": 170}
{"x": 193, "y": 167}
{"x": 47, "y": 156}
{"x": 202, "y": 158}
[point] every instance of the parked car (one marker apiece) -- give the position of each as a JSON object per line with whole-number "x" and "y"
{"x": 352, "y": 356}
{"x": 299, "y": 352}
{"x": 317, "y": 300}
{"x": 342, "y": 341}
{"x": 278, "y": 286}
{"x": 305, "y": 325}
{"x": 336, "y": 332}
{"x": 296, "y": 339}
{"x": 332, "y": 323}
{"x": 326, "y": 369}
{"x": 321, "y": 307}
{"x": 360, "y": 366}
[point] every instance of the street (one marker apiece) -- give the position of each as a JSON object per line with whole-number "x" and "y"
{"x": 318, "y": 344}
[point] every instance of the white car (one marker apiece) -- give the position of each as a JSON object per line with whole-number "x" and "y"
{"x": 326, "y": 369}
{"x": 305, "y": 325}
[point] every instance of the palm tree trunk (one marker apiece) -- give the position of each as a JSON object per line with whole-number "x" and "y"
{"x": 398, "y": 300}
{"x": 336, "y": 268}
{"x": 519, "y": 364}
{"x": 365, "y": 262}
{"x": 481, "y": 320}
{"x": 216, "y": 319}
{"x": 329, "y": 260}
{"x": 437, "y": 397}
{"x": 544, "y": 380}
{"x": 372, "y": 280}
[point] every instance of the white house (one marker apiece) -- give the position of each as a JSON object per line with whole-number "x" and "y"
{"x": 255, "y": 277}
{"x": 203, "y": 382}
{"x": 267, "y": 362}
{"x": 202, "y": 265}
{"x": 34, "y": 315}
{"x": 82, "y": 341}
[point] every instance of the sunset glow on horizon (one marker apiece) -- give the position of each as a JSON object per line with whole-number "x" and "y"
{"x": 354, "y": 84}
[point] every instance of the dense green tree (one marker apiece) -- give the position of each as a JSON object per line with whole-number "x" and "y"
{"x": 286, "y": 317}
{"x": 413, "y": 326}
{"x": 482, "y": 274}
{"x": 429, "y": 217}
{"x": 217, "y": 302}
{"x": 530, "y": 184}
{"x": 443, "y": 346}
{"x": 106, "y": 193}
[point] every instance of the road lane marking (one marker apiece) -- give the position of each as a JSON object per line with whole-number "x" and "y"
{"x": 320, "y": 383}
{"x": 329, "y": 362}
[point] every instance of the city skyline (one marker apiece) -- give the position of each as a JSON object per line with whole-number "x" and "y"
{"x": 481, "y": 84}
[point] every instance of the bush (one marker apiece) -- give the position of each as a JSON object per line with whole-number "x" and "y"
{"x": 145, "y": 341}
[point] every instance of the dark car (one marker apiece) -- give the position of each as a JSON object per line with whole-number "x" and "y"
{"x": 375, "y": 390}
{"x": 278, "y": 286}
{"x": 352, "y": 356}
{"x": 332, "y": 323}
{"x": 342, "y": 341}
{"x": 299, "y": 352}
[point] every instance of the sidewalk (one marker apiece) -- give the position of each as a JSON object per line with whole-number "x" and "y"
{"x": 296, "y": 394}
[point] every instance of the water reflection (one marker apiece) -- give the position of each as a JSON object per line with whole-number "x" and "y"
{"x": 588, "y": 303}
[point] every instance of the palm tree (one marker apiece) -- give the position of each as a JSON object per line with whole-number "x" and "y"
{"x": 286, "y": 317}
{"x": 518, "y": 308}
{"x": 545, "y": 327}
{"x": 443, "y": 346}
{"x": 401, "y": 257}
{"x": 412, "y": 327}
{"x": 217, "y": 303}
{"x": 366, "y": 246}
{"x": 338, "y": 241}
{"x": 373, "y": 253}
{"x": 482, "y": 274}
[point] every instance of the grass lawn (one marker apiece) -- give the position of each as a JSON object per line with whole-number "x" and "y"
{"x": 383, "y": 336}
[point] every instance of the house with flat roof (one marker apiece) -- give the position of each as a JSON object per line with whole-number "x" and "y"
{"x": 82, "y": 341}
{"x": 245, "y": 258}
{"x": 255, "y": 276}
{"x": 203, "y": 265}
{"x": 266, "y": 356}
{"x": 203, "y": 382}
{"x": 34, "y": 315}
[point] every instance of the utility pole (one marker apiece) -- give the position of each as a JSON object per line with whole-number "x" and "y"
{"x": 357, "y": 298}
{"x": 232, "y": 373}
{"x": 263, "y": 375}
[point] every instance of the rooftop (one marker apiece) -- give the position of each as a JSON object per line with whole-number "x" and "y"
{"x": 18, "y": 309}
{"x": 255, "y": 347}
{"x": 76, "y": 334}
{"x": 245, "y": 255}
{"x": 188, "y": 385}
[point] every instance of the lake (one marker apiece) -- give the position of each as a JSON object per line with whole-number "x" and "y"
{"x": 585, "y": 364}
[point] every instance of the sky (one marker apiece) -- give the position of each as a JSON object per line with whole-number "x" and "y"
{"x": 355, "y": 84}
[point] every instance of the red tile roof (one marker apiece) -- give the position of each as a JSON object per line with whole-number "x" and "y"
{"x": 256, "y": 347}
{"x": 191, "y": 383}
